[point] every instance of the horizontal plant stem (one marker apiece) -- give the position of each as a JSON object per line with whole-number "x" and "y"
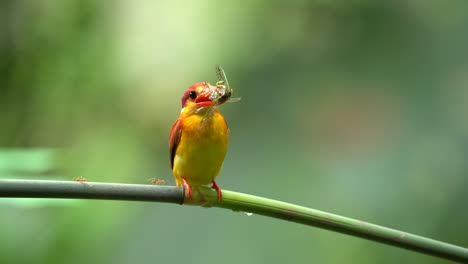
{"x": 203, "y": 196}
{"x": 90, "y": 190}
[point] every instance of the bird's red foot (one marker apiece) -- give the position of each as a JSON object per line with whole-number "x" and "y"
{"x": 187, "y": 187}
{"x": 218, "y": 190}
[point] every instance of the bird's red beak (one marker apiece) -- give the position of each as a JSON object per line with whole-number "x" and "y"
{"x": 212, "y": 94}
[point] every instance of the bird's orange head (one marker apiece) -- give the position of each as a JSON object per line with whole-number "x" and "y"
{"x": 203, "y": 94}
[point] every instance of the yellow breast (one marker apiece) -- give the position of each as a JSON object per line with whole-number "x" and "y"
{"x": 202, "y": 148}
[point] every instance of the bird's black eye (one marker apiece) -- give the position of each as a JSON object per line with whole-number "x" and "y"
{"x": 192, "y": 95}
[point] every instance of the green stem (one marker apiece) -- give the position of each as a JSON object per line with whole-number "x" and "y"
{"x": 307, "y": 216}
{"x": 203, "y": 196}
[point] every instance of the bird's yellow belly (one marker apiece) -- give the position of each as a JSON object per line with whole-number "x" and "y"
{"x": 201, "y": 151}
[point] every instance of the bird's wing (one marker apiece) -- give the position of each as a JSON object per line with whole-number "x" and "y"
{"x": 174, "y": 140}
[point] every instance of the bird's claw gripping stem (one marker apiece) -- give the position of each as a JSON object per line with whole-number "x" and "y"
{"x": 187, "y": 188}
{"x": 218, "y": 191}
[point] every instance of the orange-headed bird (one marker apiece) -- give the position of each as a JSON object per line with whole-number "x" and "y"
{"x": 199, "y": 137}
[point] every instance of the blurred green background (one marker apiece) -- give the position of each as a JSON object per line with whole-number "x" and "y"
{"x": 353, "y": 107}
